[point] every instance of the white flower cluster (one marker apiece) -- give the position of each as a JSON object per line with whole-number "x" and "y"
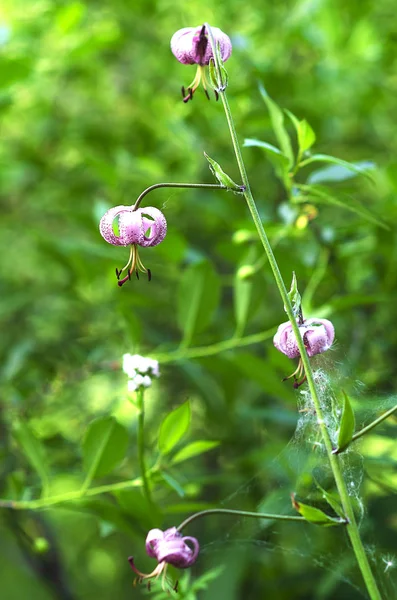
{"x": 140, "y": 371}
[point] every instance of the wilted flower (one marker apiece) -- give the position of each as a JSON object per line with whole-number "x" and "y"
{"x": 168, "y": 547}
{"x": 140, "y": 371}
{"x": 191, "y": 46}
{"x": 317, "y": 336}
{"x": 141, "y": 227}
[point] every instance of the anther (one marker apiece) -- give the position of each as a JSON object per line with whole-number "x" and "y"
{"x": 149, "y": 275}
{"x": 175, "y": 588}
{"x": 183, "y": 91}
{"x": 137, "y": 275}
{"x": 118, "y": 273}
{"x": 216, "y": 95}
{"x": 207, "y": 94}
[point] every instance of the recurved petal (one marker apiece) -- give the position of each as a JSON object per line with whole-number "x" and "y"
{"x": 155, "y": 228}
{"x": 285, "y": 341}
{"x": 131, "y": 227}
{"x": 182, "y": 46}
{"x": 106, "y": 225}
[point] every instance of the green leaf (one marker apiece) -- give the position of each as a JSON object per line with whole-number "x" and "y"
{"x": 173, "y": 483}
{"x": 295, "y": 297}
{"x": 194, "y": 449}
{"x": 218, "y": 81}
{"x": 174, "y": 427}
{"x": 221, "y": 176}
{"x": 347, "y": 425}
{"x": 305, "y": 134}
{"x": 277, "y": 119}
{"x": 198, "y": 298}
{"x": 332, "y": 501}
{"x": 33, "y": 450}
{"x": 338, "y": 173}
{"x": 358, "y": 168}
{"x": 320, "y": 194}
{"x": 104, "y": 446}
{"x": 280, "y": 161}
{"x": 243, "y": 286}
{"x": 315, "y": 515}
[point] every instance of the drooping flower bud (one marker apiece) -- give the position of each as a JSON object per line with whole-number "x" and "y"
{"x": 191, "y": 45}
{"x": 317, "y": 335}
{"x": 168, "y": 547}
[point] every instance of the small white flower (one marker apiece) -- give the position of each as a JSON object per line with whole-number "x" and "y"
{"x": 134, "y": 363}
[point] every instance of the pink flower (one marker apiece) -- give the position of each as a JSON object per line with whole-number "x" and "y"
{"x": 317, "y": 335}
{"x": 191, "y": 45}
{"x": 142, "y": 227}
{"x": 168, "y": 547}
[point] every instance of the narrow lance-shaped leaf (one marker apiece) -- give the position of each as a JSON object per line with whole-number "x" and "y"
{"x": 279, "y": 160}
{"x": 194, "y": 449}
{"x": 321, "y": 194}
{"x": 33, "y": 451}
{"x": 219, "y": 83}
{"x": 222, "y": 177}
{"x": 347, "y": 425}
{"x": 242, "y": 292}
{"x": 334, "y": 504}
{"x": 363, "y": 169}
{"x": 305, "y": 134}
{"x": 315, "y": 515}
{"x": 277, "y": 119}
{"x": 174, "y": 427}
{"x": 104, "y": 446}
{"x": 295, "y": 298}
{"x": 198, "y": 298}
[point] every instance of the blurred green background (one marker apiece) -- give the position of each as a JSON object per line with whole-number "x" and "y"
{"x": 91, "y": 115}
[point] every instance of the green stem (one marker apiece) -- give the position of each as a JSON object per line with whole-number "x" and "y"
{"x": 141, "y": 445}
{"x": 334, "y": 459}
{"x": 200, "y": 352}
{"x": 70, "y": 496}
{"x": 242, "y": 513}
{"x": 374, "y": 423}
{"x": 176, "y": 185}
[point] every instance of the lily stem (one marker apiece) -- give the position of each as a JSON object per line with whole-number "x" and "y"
{"x": 213, "y": 186}
{"x": 334, "y": 460}
{"x": 241, "y": 513}
{"x": 141, "y": 445}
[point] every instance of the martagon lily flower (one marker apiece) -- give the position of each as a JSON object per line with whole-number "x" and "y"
{"x": 168, "y": 547}
{"x": 191, "y": 45}
{"x": 141, "y": 227}
{"x": 317, "y": 335}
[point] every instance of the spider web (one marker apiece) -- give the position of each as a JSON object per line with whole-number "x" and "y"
{"x": 265, "y": 541}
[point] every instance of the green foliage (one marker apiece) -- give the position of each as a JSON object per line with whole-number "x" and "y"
{"x": 315, "y": 515}
{"x": 347, "y": 424}
{"x": 198, "y": 298}
{"x": 174, "y": 427}
{"x": 91, "y": 116}
{"x": 104, "y": 446}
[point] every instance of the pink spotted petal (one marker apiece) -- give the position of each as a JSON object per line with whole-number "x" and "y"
{"x": 106, "y": 225}
{"x": 131, "y": 227}
{"x": 285, "y": 341}
{"x": 152, "y": 539}
{"x": 319, "y": 336}
{"x": 158, "y": 226}
{"x": 185, "y": 45}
